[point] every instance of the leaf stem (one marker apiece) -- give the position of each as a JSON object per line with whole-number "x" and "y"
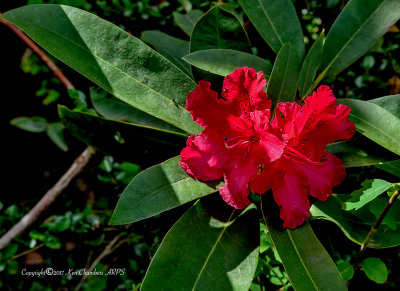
{"x": 374, "y": 228}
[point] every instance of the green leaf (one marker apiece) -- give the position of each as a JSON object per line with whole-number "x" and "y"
{"x": 170, "y": 47}
{"x": 217, "y": 29}
{"x": 32, "y": 124}
{"x": 355, "y": 226}
{"x": 277, "y": 23}
{"x": 375, "y": 122}
{"x": 282, "y": 84}
{"x": 392, "y": 167}
{"x": 112, "y": 58}
{"x": 369, "y": 191}
{"x": 346, "y": 269}
{"x": 55, "y": 133}
{"x": 158, "y": 189}
{"x": 353, "y": 153}
{"x": 131, "y": 142}
{"x": 391, "y": 103}
{"x": 187, "y": 21}
{"x": 310, "y": 66}
{"x": 375, "y": 269}
{"x": 355, "y": 31}
{"x": 306, "y": 262}
{"x": 115, "y": 109}
{"x": 209, "y": 248}
{"x": 223, "y": 61}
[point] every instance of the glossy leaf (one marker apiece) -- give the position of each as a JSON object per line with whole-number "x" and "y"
{"x": 135, "y": 143}
{"x": 306, "y": 262}
{"x": 170, "y": 47}
{"x": 31, "y": 124}
{"x": 277, "y": 23}
{"x": 209, "y": 248}
{"x": 370, "y": 190}
{"x": 391, "y": 167}
{"x": 55, "y": 133}
{"x": 158, "y": 189}
{"x": 113, "y": 108}
{"x": 282, "y": 84}
{"x": 346, "y": 269}
{"x": 310, "y": 66}
{"x": 217, "y": 29}
{"x": 360, "y": 152}
{"x": 375, "y": 122}
{"x": 375, "y": 269}
{"x": 356, "y": 226}
{"x": 187, "y": 21}
{"x": 391, "y": 103}
{"x": 358, "y": 27}
{"x": 224, "y": 61}
{"x": 113, "y": 59}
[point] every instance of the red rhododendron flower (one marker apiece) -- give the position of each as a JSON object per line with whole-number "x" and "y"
{"x": 239, "y": 144}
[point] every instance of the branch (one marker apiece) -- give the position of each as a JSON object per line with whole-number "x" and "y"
{"x": 375, "y": 228}
{"x": 77, "y": 166}
{"x": 67, "y": 84}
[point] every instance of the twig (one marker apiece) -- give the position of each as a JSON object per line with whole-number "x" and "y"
{"x": 375, "y": 227}
{"x": 77, "y": 166}
{"x": 107, "y": 250}
{"x": 64, "y": 80}
{"x": 26, "y": 252}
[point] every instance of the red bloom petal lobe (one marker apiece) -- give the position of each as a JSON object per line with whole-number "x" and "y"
{"x": 322, "y": 177}
{"x": 205, "y": 155}
{"x": 244, "y": 86}
{"x": 291, "y": 194}
{"x": 237, "y": 176}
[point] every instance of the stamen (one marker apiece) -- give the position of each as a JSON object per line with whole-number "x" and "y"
{"x": 291, "y": 152}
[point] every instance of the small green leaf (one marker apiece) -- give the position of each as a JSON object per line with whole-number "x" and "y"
{"x": 187, "y": 21}
{"x": 277, "y": 23}
{"x": 355, "y": 225}
{"x": 158, "y": 189}
{"x": 55, "y": 133}
{"x": 282, "y": 84}
{"x": 370, "y": 190}
{"x": 375, "y": 122}
{"x": 375, "y": 269}
{"x": 356, "y": 29}
{"x": 223, "y": 61}
{"x": 212, "y": 247}
{"x": 170, "y": 47}
{"x": 345, "y": 269}
{"x": 310, "y": 66}
{"x": 32, "y": 124}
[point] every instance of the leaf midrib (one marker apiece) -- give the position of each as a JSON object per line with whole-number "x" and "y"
{"x": 353, "y": 36}
{"x": 271, "y": 23}
{"x": 212, "y": 250}
{"x": 171, "y": 100}
{"x": 378, "y": 129}
{"x": 298, "y": 254}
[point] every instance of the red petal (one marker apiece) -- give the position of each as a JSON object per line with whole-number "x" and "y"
{"x": 205, "y": 155}
{"x": 237, "y": 176}
{"x": 263, "y": 181}
{"x": 205, "y": 107}
{"x": 244, "y": 86}
{"x": 321, "y": 178}
{"x": 291, "y": 194}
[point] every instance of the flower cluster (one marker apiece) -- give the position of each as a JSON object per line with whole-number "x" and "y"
{"x": 240, "y": 144}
